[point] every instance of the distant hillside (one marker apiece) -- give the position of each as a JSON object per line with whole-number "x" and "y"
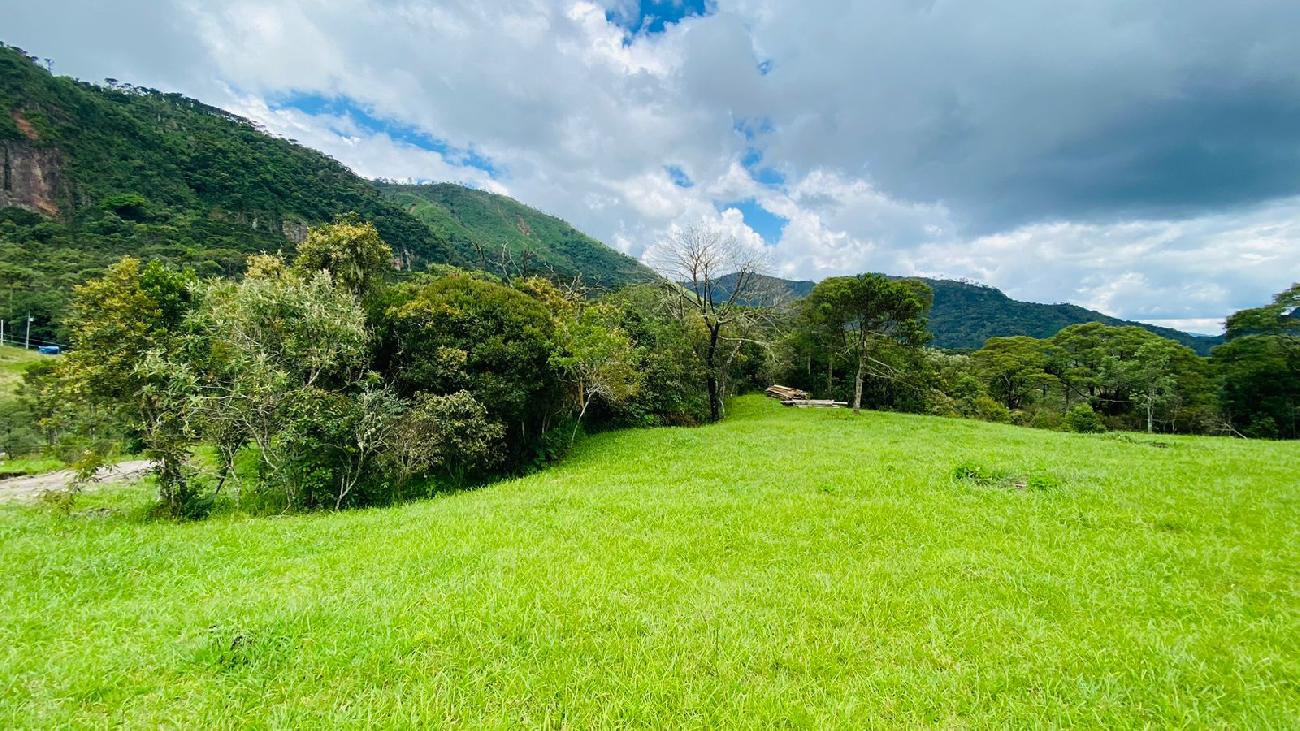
{"x": 479, "y": 227}
{"x": 965, "y": 315}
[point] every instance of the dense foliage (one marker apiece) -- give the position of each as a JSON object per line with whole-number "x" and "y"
{"x": 1260, "y": 368}
{"x": 342, "y": 388}
{"x": 1086, "y": 377}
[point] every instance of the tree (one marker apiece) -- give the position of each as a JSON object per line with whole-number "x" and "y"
{"x": 1280, "y": 317}
{"x": 693, "y": 260}
{"x": 598, "y": 358}
{"x": 124, "y": 325}
{"x": 870, "y": 313}
{"x": 461, "y": 332}
{"x": 1151, "y": 376}
{"x": 350, "y": 250}
{"x": 371, "y": 431}
{"x": 262, "y": 349}
{"x": 451, "y": 435}
{"x": 1261, "y": 384}
{"x": 1013, "y": 368}
{"x": 1259, "y": 366}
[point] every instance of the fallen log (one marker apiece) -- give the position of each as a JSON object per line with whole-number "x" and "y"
{"x": 814, "y": 403}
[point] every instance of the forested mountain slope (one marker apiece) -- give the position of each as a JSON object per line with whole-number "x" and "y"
{"x": 495, "y": 232}
{"x": 965, "y": 315}
{"x": 91, "y": 173}
{"x": 94, "y": 172}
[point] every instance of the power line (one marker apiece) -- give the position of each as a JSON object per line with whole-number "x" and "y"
{"x": 18, "y": 342}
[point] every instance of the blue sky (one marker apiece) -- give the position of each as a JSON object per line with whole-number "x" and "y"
{"x": 654, "y": 16}
{"x": 319, "y": 105}
{"x": 1134, "y": 156}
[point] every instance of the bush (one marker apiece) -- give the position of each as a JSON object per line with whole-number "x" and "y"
{"x": 448, "y": 436}
{"x": 1082, "y": 419}
{"x": 985, "y": 408}
{"x": 1047, "y": 419}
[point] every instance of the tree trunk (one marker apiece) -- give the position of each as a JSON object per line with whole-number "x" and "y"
{"x": 857, "y": 384}
{"x": 1150, "y": 407}
{"x": 715, "y": 405}
{"x": 830, "y": 378}
{"x": 586, "y": 401}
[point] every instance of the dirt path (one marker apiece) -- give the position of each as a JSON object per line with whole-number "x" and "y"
{"x": 22, "y": 489}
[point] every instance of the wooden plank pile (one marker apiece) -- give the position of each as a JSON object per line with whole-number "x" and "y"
{"x": 785, "y": 393}
{"x": 794, "y": 397}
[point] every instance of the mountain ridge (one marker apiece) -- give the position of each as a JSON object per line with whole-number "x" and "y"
{"x": 965, "y": 314}
{"x": 496, "y": 232}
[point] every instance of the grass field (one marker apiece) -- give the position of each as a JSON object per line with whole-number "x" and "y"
{"x": 13, "y": 361}
{"x": 788, "y": 568}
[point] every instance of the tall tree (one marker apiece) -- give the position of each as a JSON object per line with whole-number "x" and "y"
{"x": 1151, "y": 376}
{"x": 868, "y": 313}
{"x": 694, "y": 260}
{"x": 1014, "y": 368}
{"x": 1260, "y": 368}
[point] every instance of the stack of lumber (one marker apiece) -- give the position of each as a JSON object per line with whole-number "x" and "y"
{"x": 795, "y": 397}
{"x": 785, "y": 393}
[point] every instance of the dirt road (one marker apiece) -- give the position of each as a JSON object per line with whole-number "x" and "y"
{"x": 21, "y": 489}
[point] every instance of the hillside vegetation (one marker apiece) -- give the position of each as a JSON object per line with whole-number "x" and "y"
{"x": 502, "y": 235}
{"x": 96, "y": 172}
{"x": 905, "y": 570}
{"x": 964, "y": 315}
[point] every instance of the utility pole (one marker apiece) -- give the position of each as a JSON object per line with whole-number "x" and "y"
{"x": 27, "y": 345}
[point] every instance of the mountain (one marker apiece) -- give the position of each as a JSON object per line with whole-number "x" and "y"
{"x": 482, "y": 227}
{"x": 94, "y": 172}
{"x": 965, "y": 315}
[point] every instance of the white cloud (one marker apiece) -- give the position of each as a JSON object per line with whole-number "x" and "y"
{"x": 997, "y": 142}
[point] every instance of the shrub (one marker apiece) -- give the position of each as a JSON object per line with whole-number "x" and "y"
{"x": 460, "y": 333}
{"x": 449, "y": 436}
{"x": 985, "y": 408}
{"x": 1082, "y": 419}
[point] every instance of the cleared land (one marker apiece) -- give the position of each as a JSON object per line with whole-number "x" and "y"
{"x": 13, "y": 361}
{"x": 785, "y": 567}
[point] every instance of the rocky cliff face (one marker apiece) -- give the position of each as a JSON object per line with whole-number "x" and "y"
{"x": 30, "y": 177}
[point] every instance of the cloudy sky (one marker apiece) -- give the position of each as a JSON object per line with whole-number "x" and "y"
{"x": 1141, "y": 157}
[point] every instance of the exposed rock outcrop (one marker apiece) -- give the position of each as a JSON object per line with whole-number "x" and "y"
{"x": 295, "y": 231}
{"x": 30, "y": 177}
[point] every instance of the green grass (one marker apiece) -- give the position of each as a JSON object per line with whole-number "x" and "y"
{"x": 28, "y": 466}
{"x": 786, "y": 567}
{"x": 13, "y": 362}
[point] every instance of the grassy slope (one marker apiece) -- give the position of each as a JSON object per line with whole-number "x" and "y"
{"x": 804, "y": 567}
{"x": 13, "y": 361}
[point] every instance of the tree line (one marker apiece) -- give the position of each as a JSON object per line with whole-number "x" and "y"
{"x": 862, "y": 339}
{"x": 321, "y": 382}
{"x": 325, "y": 381}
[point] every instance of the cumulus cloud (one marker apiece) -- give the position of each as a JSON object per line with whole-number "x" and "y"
{"x": 1137, "y": 156}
